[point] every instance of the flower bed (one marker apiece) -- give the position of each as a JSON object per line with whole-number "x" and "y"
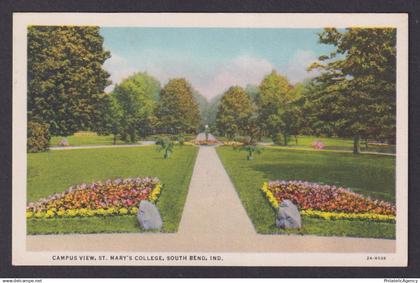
{"x": 204, "y": 142}
{"x": 318, "y": 145}
{"x": 112, "y": 197}
{"x": 232, "y": 143}
{"x": 327, "y": 202}
{"x": 63, "y": 142}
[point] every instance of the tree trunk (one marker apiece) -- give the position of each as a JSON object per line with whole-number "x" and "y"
{"x": 356, "y": 144}
{"x": 296, "y": 141}
{"x": 250, "y": 157}
{"x": 132, "y": 136}
{"x": 114, "y": 142}
{"x": 285, "y": 139}
{"x": 366, "y": 143}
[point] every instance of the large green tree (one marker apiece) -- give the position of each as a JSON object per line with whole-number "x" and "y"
{"x": 273, "y": 100}
{"x": 66, "y": 80}
{"x": 178, "y": 110}
{"x": 356, "y": 86}
{"x": 137, "y": 98}
{"x": 111, "y": 117}
{"x": 234, "y": 112}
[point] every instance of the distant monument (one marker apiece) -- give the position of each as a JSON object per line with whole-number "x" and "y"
{"x": 205, "y": 138}
{"x": 206, "y": 131}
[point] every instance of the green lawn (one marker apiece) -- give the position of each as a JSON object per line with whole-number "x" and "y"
{"x": 54, "y": 171}
{"x": 371, "y": 175}
{"x": 105, "y": 140}
{"x": 339, "y": 144}
{"x": 86, "y": 140}
{"x": 329, "y": 143}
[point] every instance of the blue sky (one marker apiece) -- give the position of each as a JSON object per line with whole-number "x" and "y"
{"x": 211, "y": 59}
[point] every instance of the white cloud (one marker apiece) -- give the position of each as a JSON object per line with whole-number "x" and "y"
{"x": 297, "y": 65}
{"x": 119, "y": 68}
{"x": 239, "y": 71}
{"x": 212, "y": 79}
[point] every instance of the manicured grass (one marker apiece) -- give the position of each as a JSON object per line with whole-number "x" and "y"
{"x": 340, "y": 144}
{"x": 329, "y": 143}
{"x": 308, "y": 140}
{"x": 371, "y": 175}
{"x": 76, "y": 140}
{"x": 85, "y": 140}
{"x": 55, "y": 171}
{"x": 87, "y": 225}
{"x": 342, "y": 228}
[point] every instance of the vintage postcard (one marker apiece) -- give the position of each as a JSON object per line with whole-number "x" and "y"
{"x": 199, "y": 139}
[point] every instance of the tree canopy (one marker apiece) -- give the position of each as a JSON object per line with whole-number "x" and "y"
{"x": 356, "y": 87}
{"x": 178, "y": 110}
{"x": 353, "y": 95}
{"x": 137, "y": 98}
{"x": 272, "y": 101}
{"x": 234, "y": 111}
{"x": 66, "y": 80}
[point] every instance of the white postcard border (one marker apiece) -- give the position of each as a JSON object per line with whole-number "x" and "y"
{"x": 20, "y": 256}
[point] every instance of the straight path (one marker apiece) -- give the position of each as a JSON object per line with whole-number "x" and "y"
{"x": 143, "y": 143}
{"x": 213, "y": 212}
{"x": 272, "y": 145}
{"x": 213, "y": 220}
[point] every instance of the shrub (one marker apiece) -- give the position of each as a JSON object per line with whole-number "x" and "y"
{"x": 38, "y": 137}
{"x": 278, "y": 139}
{"x": 241, "y": 139}
{"x": 85, "y": 134}
{"x": 250, "y": 149}
{"x": 166, "y": 145}
{"x": 181, "y": 139}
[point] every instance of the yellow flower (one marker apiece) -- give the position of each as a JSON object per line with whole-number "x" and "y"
{"x": 83, "y": 212}
{"x": 91, "y": 212}
{"x": 71, "y": 212}
{"x": 154, "y": 195}
{"x": 269, "y": 195}
{"x": 350, "y": 216}
{"x": 110, "y": 211}
{"x": 39, "y": 214}
{"x": 134, "y": 210}
{"x": 101, "y": 211}
{"x": 29, "y": 214}
{"x": 49, "y": 214}
{"x": 123, "y": 211}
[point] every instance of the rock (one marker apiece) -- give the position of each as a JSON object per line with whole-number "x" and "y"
{"x": 149, "y": 216}
{"x": 288, "y": 216}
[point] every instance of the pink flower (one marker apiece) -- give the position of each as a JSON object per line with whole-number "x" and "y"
{"x": 318, "y": 144}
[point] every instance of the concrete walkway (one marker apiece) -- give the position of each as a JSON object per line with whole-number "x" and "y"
{"x": 143, "y": 143}
{"x": 213, "y": 220}
{"x": 272, "y": 145}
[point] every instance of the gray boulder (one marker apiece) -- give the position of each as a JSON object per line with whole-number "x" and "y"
{"x": 288, "y": 216}
{"x": 149, "y": 216}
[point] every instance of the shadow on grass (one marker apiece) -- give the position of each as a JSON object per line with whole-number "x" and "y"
{"x": 359, "y": 175}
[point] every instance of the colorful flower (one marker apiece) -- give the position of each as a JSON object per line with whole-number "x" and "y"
{"x": 327, "y": 202}
{"x": 112, "y": 197}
